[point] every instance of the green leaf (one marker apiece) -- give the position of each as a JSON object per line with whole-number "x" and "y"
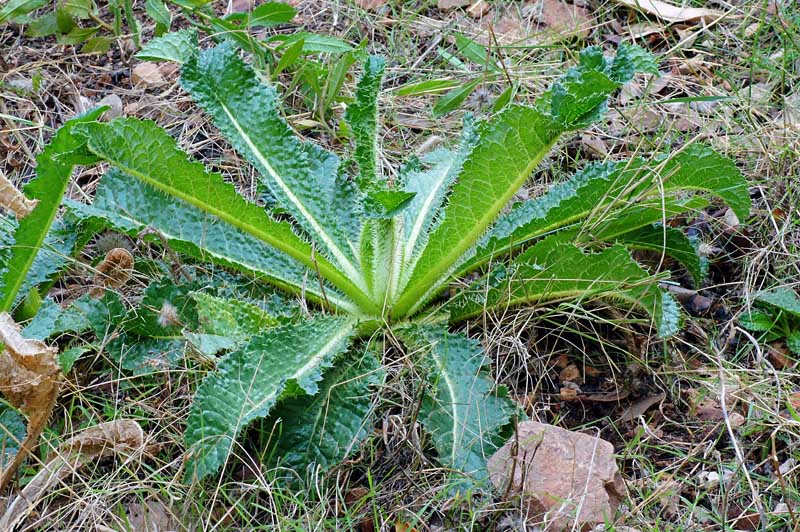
{"x": 314, "y": 43}
{"x": 612, "y": 198}
{"x": 245, "y": 110}
{"x": 126, "y": 204}
{"x": 226, "y": 323}
{"x": 430, "y": 183}
{"x": 700, "y": 168}
{"x": 289, "y": 57}
{"x": 80, "y": 9}
{"x": 249, "y": 381}
{"x": 454, "y": 98}
{"x": 52, "y": 257}
{"x": 84, "y": 314}
{"x": 160, "y": 15}
{"x": 670, "y": 241}
{"x": 48, "y": 187}
{"x": 77, "y": 35}
{"x": 145, "y": 151}
{"x": 43, "y": 26}
{"x": 757, "y": 320}
{"x": 324, "y": 429}
{"x": 553, "y": 270}
{"x": 784, "y": 299}
{"x": 431, "y": 86}
{"x": 15, "y": 8}
{"x": 509, "y": 148}
{"x": 12, "y": 433}
{"x": 459, "y": 409}
{"x": 68, "y": 357}
{"x": 362, "y": 117}
{"x": 266, "y": 15}
{"x": 97, "y": 45}
{"x": 166, "y": 308}
{"x": 179, "y": 46}
{"x": 144, "y": 356}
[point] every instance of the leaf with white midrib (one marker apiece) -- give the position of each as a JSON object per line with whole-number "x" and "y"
{"x": 249, "y": 381}
{"x": 245, "y": 110}
{"x": 142, "y": 149}
{"x": 459, "y": 409}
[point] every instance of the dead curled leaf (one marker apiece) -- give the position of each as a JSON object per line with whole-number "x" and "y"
{"x": 641, "y": 406}
{"x": 113, "y": 271}
{"x": 671, "y": 13}
{"x": 122, "y": 436}
{"x": 30, "y": 378}
{"x": 13, "y": 200}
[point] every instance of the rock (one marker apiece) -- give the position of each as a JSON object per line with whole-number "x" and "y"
{"x": 146, "y": 74}
{"x": 115, "y": 106}
{"x": 558, "y": 473}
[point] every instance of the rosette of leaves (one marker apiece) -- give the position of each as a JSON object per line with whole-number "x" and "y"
{"x": 369, "y": 254}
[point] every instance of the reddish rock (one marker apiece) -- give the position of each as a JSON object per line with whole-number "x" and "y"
{"x": 563, "y": 477}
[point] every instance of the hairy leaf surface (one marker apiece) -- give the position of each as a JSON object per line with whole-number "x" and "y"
{"x": 179, "y": 46}
{"x": 129, "y": 205}
{"x": 362, "y": 116}
{"x": 249, "y": 381}
{"x": 554, "y": 270}
{"x": 145, "y": 151}
{"x": 325, "y": 428}
{"x": 507, "y": 150}
{"x": 226, "y": 323}
{"x": 245, "y": 110}
{"x": 52, "y": 177}
{"x": 459, "y": 409}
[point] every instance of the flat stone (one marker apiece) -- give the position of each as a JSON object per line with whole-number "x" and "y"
{"x": 564, "y": 478}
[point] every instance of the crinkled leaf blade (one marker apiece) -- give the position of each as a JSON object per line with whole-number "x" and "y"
{"x": 249, "y": 381}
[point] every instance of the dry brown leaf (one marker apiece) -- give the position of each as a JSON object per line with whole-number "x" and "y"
{"x": 13, "y": 200}
{"x": 370, "y": 4}
{"x": 113, "y": 271}
{"x": 122, "y": 436}
{"x": 641, "y": 406}
{"x": 146, "y": 74}
{"x": 151, "y": 516}
{"x": 446, "y": 5}
{"x": 565, "y": 19}
{"x": 671, "y": 13}
{"x": 30, "y": 379}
